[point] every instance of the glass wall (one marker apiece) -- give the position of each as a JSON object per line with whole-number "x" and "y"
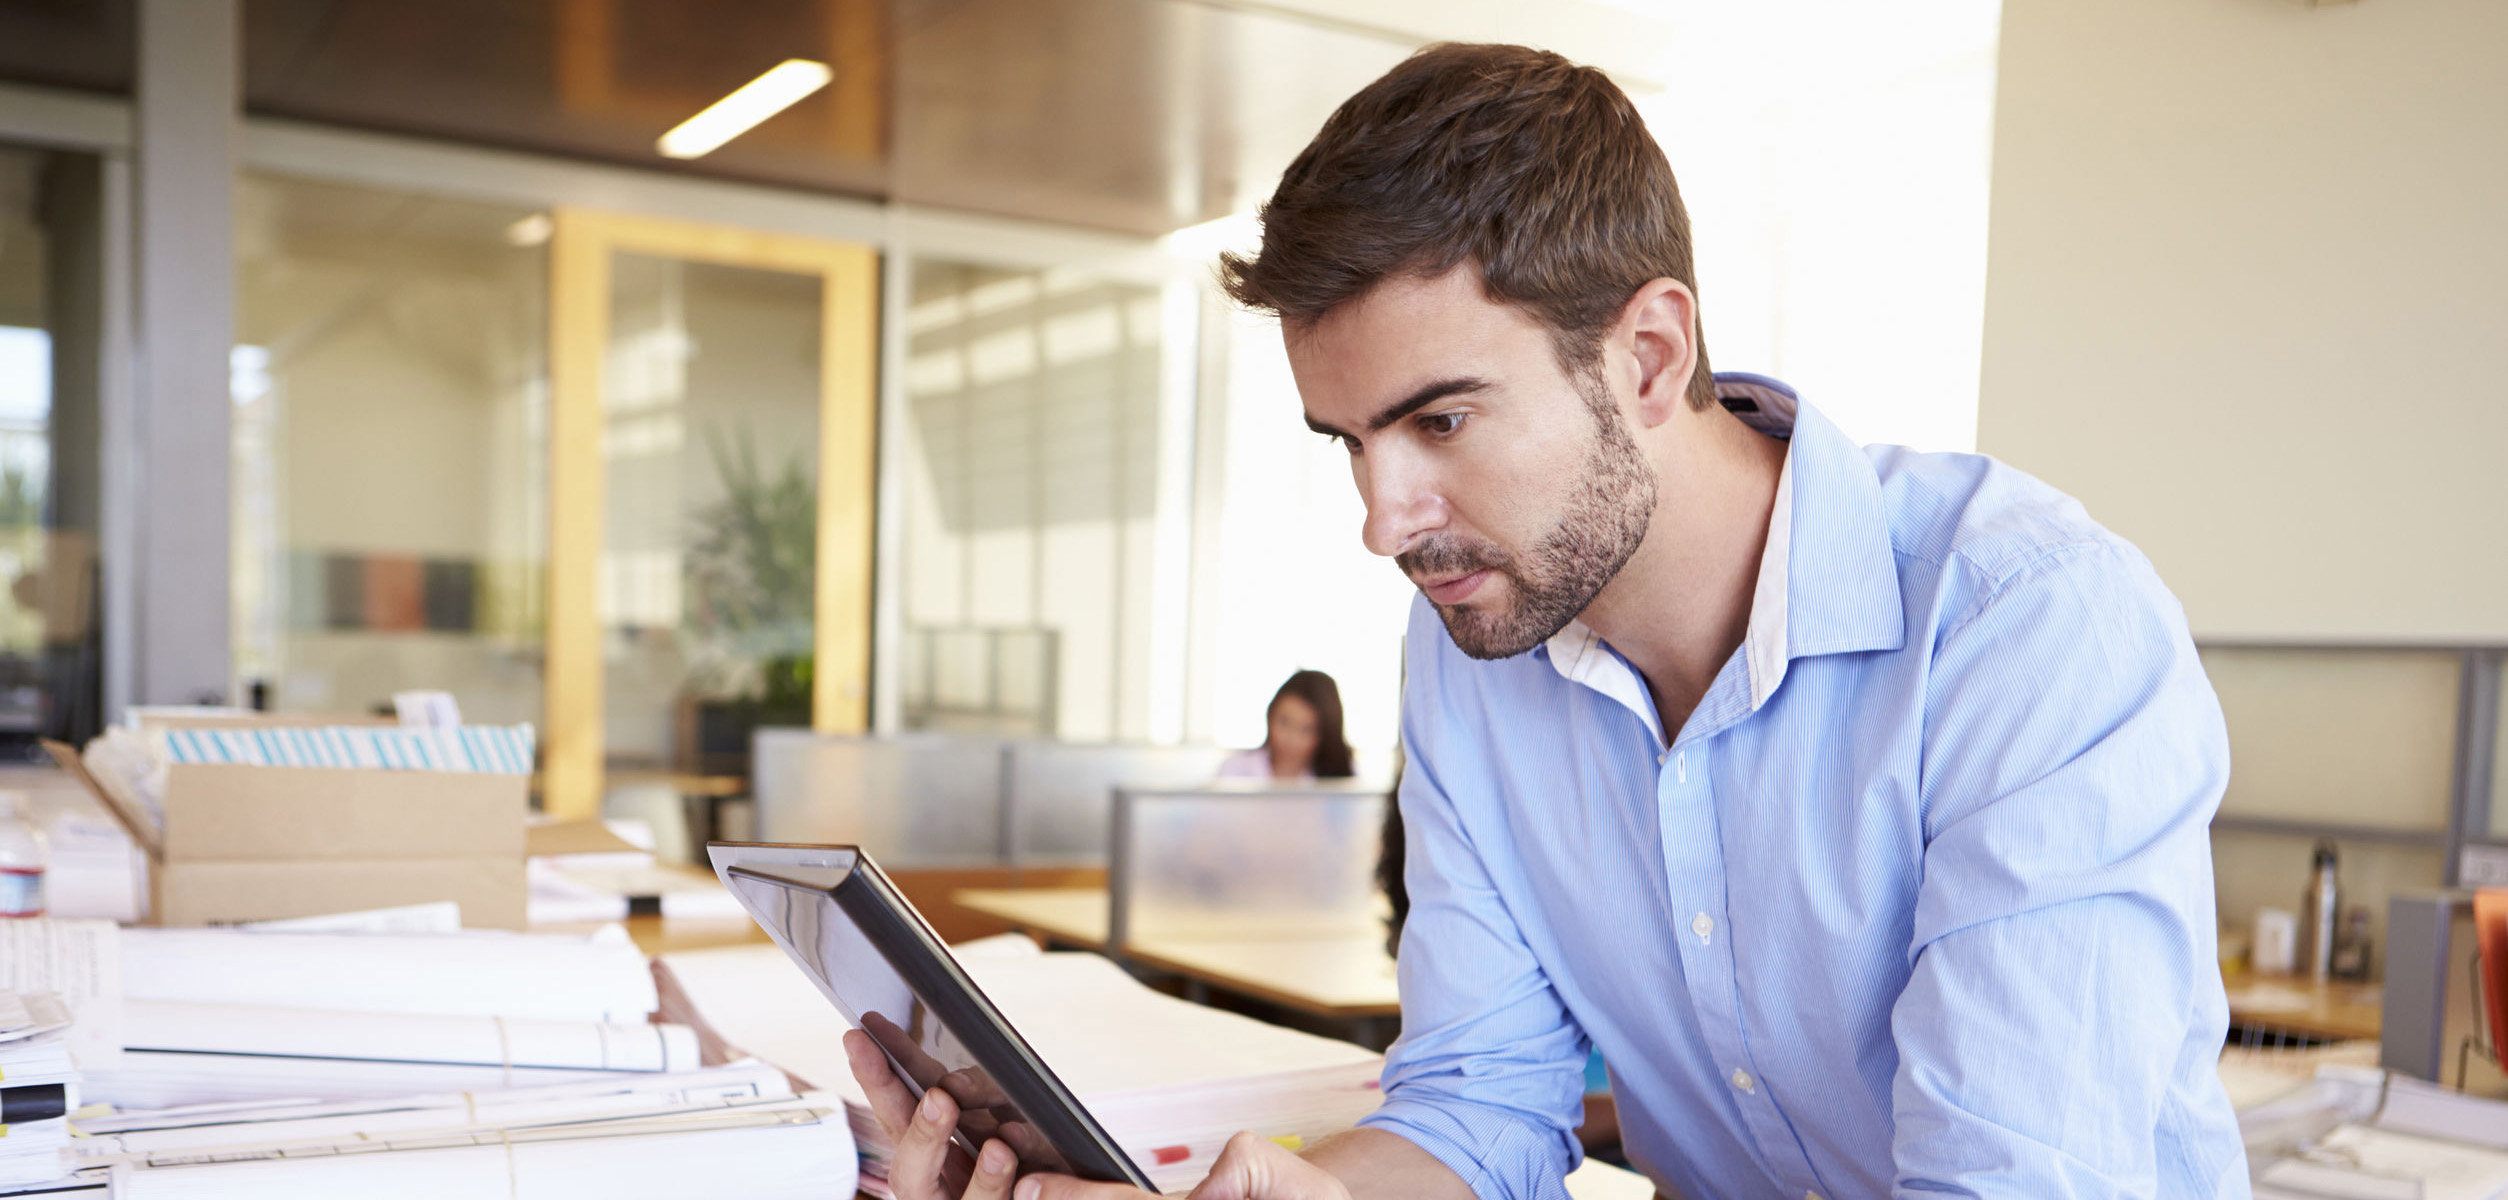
{"x": 710, "y": 445}
{"x": 1031, "y": 474}
{"x": 390, "y": 461}
{"x": 51, "y": 305}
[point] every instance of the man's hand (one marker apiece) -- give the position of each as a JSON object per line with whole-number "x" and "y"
{"x": 1251, "y": 1168}
{"x": 926, "y": 1166}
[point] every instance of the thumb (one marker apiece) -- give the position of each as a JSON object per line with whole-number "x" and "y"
{"x": 1064, "y": 1187}
{"x": 1256, "y": 1168}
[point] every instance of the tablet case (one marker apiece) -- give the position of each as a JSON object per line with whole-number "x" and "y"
{"x": 786, "y": 887}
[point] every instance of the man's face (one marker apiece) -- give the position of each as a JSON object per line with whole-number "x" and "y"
{"x": 1508, "y": 490}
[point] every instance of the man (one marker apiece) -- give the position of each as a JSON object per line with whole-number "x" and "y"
{"x": 1852, "y": 803}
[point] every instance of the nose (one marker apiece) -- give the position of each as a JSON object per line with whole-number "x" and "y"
{"x": 1402, "y": 503}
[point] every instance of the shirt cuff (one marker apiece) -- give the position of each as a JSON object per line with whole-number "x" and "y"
{"x": 1495, "y": 1154}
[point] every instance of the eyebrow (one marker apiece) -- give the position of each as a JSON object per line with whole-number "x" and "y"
{"x": 1424, "y": 396}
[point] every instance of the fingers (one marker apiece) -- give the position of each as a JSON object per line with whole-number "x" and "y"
{"x": 1064, "y": 1187}
{"x": 995, "y": 1171}
{"x": 921, "y": 1167}
{"x": 891, "y": 1104}
{"x": 1256, "y": 1168}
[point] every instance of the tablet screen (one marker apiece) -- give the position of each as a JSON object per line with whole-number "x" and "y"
{"x": 924, "y": 1047}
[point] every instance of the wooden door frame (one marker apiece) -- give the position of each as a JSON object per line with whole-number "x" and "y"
{"x": 581, "y": 247}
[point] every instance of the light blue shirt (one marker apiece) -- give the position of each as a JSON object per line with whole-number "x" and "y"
{"x": 1917, "y": 902}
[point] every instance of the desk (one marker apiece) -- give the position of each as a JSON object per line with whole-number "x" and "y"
{"x": 657, "y": 935}
{"x": 2296, "y": 1005}
{"x": 1348, "y": 976}
{"x": 1339, "y": 974}
{"x": 1067, "y": 916}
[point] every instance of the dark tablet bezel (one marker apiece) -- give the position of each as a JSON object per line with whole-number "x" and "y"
{"x": 867, "y": 897}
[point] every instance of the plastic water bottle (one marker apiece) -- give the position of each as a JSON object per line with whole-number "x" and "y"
{"x": 23, "y": 856}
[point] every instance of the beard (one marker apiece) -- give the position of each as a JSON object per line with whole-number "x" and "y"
{"x": 1604, "y": 521}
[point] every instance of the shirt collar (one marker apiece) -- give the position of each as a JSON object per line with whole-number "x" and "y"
{"x": 1828, "y": 578}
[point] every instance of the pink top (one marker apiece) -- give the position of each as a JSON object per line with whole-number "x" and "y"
{"x": 1252, "y": 764}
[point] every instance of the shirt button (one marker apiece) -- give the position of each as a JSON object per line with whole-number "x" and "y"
{"x": 1811, "y": 1196}
{"x": 1742, "y": 1080}
{"x": 1702, "y": 925}
{"x": 1663, "y": 757}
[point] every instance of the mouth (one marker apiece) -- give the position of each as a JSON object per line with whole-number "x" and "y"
{"x": 1453, "y": 589}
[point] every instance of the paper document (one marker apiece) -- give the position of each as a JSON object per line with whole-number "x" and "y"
{"x": 230, "y": 1124}
{"x": 443, "y": 916}
{"x": 788, "y": 1150}
{"x": 478, "y": 973}
{"x": 406, "y": 1037}
{"x": 2425, "y": 1109}
{"x": 81, "y": 961}
{"x": 2359, "y": 1163}
{"x": 38, "y": 1088}
{"x": 730, "y": 1131}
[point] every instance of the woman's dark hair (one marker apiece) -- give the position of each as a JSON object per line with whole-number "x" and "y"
{"x": 1332, "y": 750}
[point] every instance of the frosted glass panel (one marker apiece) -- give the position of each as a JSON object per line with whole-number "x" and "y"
{"x": 1210, "y": 861}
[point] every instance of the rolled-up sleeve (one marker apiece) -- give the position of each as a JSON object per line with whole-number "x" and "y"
{"x": 1488, "y": 1075}
{"x": 2062, "y": 954}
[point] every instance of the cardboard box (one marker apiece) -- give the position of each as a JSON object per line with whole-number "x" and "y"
{"x": 245, "y": 843}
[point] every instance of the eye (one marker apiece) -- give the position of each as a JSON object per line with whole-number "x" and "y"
{"x": 1347, "y": 442}
{"x": 1442, "y": 424}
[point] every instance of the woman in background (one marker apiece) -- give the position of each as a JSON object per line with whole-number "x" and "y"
{"x": 1304, "y": 742}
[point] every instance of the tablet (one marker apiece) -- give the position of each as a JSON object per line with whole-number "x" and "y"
{"x": 874, "y": 958}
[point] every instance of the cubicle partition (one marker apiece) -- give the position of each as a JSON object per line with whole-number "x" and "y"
{"x": 956, "y": 800}
{"x": 1057, "y": 795}
{"x": 911, "y": 800}
{"x": 1282, "y": 861}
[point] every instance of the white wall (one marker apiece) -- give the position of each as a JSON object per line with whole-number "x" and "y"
{"x": 2245, "y": 300}
{"x": 1294, "y": 587}
{"x": 1833, "y": 155}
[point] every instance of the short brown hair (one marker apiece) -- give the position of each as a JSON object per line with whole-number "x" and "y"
{"x": 1535, "y": 169}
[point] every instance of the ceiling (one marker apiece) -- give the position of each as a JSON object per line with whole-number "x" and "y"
{"x": 1137, "y": 116}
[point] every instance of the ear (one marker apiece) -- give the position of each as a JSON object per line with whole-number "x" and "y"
{"x": 1656, "y": 328}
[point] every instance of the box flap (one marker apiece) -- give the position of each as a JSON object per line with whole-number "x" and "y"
{"x": 134, "y": 824}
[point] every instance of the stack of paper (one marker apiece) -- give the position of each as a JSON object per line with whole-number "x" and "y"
{"x": 735, "y": 1131}
{"x": 1171, "y": 1081}
{"x": 482, "y": 973}
{"x": 590, "y": 881}
{"x": 79, "y": 961}
{"x": 2378, "y": 1135}
{"x": 38, "y": 1087}
{"x": 181, "y": 1054}
{"x": 242, "y": 1015}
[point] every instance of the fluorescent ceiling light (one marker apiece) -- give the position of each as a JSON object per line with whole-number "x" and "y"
{"x": 755, "y": 101}
{"x": 532, "y": 230}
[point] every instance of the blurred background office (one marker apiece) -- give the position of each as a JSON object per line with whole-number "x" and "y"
{"x": 893, "y": 470}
